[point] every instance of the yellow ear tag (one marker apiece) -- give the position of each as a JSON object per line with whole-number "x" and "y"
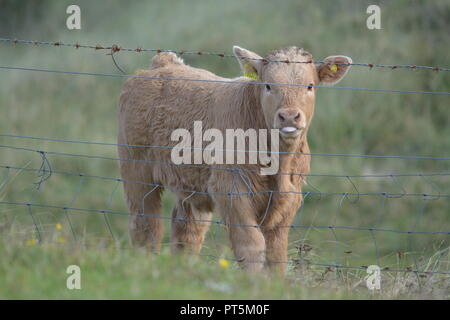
{"x": 249, "y": 72}
{"x": 333, "y": 68}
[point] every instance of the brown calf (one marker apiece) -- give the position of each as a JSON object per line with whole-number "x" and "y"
{"x": 151, "y": 109}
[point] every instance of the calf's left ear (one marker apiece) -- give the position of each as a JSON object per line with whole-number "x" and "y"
{"x": 333, "y": 69}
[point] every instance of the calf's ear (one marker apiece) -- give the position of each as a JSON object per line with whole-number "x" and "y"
{"x": 250, "y": 62}
{"x": 333, "y": 69}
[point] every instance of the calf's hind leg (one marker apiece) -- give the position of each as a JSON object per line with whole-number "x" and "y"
{"x": 144, "y": 202}
{"x": 188, "y": 234}
{"x": 146, "y": 230}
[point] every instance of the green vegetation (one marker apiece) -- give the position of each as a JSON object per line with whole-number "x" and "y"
{"x": 39, "y": 272}
{"x": 348, "y": 122}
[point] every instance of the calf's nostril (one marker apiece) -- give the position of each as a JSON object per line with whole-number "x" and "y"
{"x": 297, "y": 116}
{"x": 282, "y": 117}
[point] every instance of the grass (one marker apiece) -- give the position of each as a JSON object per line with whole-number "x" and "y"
{"x": 40, "y": 273}
{"x": 84, "y": 108}
{"x": 108, "y": 274}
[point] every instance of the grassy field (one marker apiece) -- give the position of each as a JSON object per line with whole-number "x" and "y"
{"x": 347, "y": 122}
{"x": 40, "y": 272}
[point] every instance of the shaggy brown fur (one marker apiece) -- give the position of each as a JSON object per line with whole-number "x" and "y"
{"x": 151, "y": 109}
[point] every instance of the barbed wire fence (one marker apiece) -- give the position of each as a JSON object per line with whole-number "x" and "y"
{"x": 45, "y": 171}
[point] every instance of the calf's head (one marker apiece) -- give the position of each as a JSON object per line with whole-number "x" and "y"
{"x": 290, "y": 108}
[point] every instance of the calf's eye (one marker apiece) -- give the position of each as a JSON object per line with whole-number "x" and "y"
{"x": 268, "y": 88}
{"x": 310, "y": 87}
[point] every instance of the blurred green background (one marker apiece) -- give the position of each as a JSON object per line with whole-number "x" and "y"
{"x": 347, "y": 122}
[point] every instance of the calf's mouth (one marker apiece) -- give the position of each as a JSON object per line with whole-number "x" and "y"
{"x": 290, "y": 132}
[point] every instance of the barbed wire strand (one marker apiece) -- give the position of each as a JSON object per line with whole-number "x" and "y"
{"x": 117, "y": 48}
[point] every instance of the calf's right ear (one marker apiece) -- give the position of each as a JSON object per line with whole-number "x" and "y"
{"x": 250, "y": 62}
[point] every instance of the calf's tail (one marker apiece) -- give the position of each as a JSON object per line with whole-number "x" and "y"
{"x": 164, "y": 59}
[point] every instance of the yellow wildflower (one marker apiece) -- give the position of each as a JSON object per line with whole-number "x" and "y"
{"x": 31, "y": 242}
{"x": 58, "y": 226}
{"x": 224, "y": 263}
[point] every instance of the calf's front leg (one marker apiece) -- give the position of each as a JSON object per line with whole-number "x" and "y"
{"x": 247, "y": 241}
{"x": 276, "y": 234}
{"x": 276, "y": 249}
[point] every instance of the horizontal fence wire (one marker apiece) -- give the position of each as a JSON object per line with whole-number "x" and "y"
{"x": 329, "y": 266}
{"x": 116, "y": 48}
{"x": 218, "y": 222}
{"x": 228, "y": 82}
{"x": 240, "y": 173}
{"x": 45, "y": 171}
{"x": 410, "y": 157}
{"x": 371, "y": 175}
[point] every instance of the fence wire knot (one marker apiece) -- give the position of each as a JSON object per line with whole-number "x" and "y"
{"x": 45, "y": 170}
